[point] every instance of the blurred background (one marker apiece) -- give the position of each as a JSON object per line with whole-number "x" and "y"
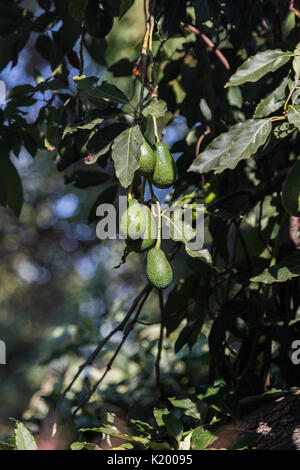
{"x": 59, "y": 293}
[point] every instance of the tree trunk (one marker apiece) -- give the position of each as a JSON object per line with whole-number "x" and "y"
{"x": 278, "y": 424}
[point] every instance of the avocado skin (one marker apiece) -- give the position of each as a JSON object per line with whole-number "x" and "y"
{"x": 135, "y": 216}
{"x": 163, "y": 176}
{"x": 147, "y": 160}
{"x": 159, "y": 271}
{"x": 143, "y": 244}
{"x": 291, "y": 191}
{"x": 98, "y": 18}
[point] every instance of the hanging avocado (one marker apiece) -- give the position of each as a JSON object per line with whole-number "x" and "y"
{"x": 159, "y": 271}
{"x": 291, "y": 191}
{"x": 147, "y": 159}
{"x": 98, "y": 18}
{"x": 134, "y": 220}
{"x": 149, "y": 237}
{"x": 163, "y": 176}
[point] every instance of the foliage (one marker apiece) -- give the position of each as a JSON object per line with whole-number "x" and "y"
{"x": 230, "y": 73}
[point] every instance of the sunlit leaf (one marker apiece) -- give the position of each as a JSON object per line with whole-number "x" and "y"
{"x": 156, "y": 108}
{"x": 24, "y": 439}
{"x": 272, "y": 102}
{"x": 228, "y": 149}
{"x": 201, "y": 438}
{"x": 126, "y": 154}
{"x": 294, "y": 115}
{"x": 259, "y": 65}
{"x": 286, "y": 269}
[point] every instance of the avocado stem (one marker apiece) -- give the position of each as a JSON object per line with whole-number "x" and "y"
{"x": 143, "y": 189}
{"x": 158, "y": 241}
{"x": 153, "y": 197}
{"x": 129, "y": 196}
{"x": 155, "y": 128}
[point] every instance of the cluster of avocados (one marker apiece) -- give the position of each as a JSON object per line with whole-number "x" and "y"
{"x": 138, "y": 223}
{"x": 291, "y": 191}
{"x": 98, "y": 18}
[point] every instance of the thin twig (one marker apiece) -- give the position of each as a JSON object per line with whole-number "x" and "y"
{"x": 199, "y": 141}
{"x": 294, "y": 9}
{"x": 81, "y": 65}
{"x": 110, "y": 363}
{"x": 159, "y": 347}
{"x": 147, "y": 289}
{"x": 218, "y": 53}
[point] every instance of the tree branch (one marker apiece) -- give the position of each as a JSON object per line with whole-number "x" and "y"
{"x": 159, "y": 347}
{"x": 146, "y": 291}
{"x": 294, "y": 9}
{"x": 209, "y": 43}
{"x": 110, "y": 363}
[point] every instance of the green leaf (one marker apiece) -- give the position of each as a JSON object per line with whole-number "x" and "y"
{"x": 294, "y": 115}
{"x": 77, "y": 446}
{"x": 272, "y": 102}
{"x": 203, "y": 254}
{"x": 190, "y": 408}
{"x": 158, "y": 415}
{"x": 103, "y": 137}
{"x": 173, "y": 426}
{"x": 124, "y": 7}
{"x": 205, "y": 109}
{"x": 54, "y": 84}
{"x": 287, "y": 268}
{"x": 77, "y": 8}
{"x": 109, "y": 92}
{"x": 259, "y": 65}
{"x": 201, "y": 438}
{"x": 126, "y": 154}
{"x": 85, "y": 179}
{"x": 106, "y": 197}
{"x": 111, "y": 431}
{"x": 235, "y": 97}
{"x": 296, "y": 62}
{"x": 228, "y": 149}
{"x": 156, "y": 108}
{"x": 85, "y": 83}
{"x": 180, "y": 231}
{"x": 6, "y": 446}
{"x": 11, "y": 185}
{"x": 155, "y": 445}
{"x": 283, "y": 130}
{"x": 24, "y": 439}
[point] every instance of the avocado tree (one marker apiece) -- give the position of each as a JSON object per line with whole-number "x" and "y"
{"x": 224, "y": 76}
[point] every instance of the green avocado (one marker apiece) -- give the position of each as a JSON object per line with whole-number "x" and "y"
{"x": 149, "y": 237}
{"x": 98, "y": 18}
{"x": 163, "y": 176}
{"x": 159, "y": 271}
{"x": 291, "y": 191}
{"x": 134, "y": 220}
{"x": 147, "y": 159}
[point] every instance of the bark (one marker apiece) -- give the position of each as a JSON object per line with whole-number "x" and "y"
{"x": 277, "y": 422}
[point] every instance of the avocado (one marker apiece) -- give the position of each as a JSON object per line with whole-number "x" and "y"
{"x": 98, "y": 18}
{"x": 134, "y": 220}
{"x": 149, "y": 237}
{"x": 163, "y": 176}
{"x": 159, "y": 271}
{"x": 291, "y": 191}
{"x": 147, "y": 159}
